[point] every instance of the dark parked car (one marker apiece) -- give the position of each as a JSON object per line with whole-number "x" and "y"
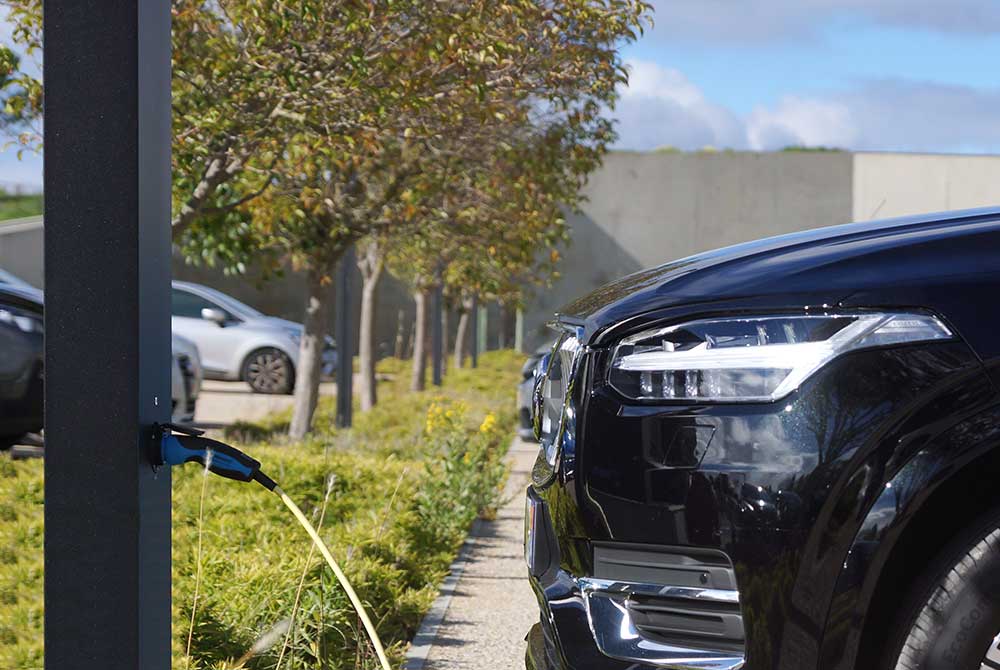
{"x": 526, "y": 388}
{"x": 780, "y": 455}
{"x": 21, "y": 357}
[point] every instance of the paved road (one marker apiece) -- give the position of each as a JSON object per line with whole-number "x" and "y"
{"x": 492, "y": 605}
{"x": 222, "y": 403}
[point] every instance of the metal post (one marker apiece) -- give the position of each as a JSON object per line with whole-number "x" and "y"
{"x": 474, "y": 336}
{"x": 107, "y": 340}
{"x": 519, "y": 329}
{"x": 345, "y": 342}
{"x": 502, "y": 331}
{"x": 437, "y": 334}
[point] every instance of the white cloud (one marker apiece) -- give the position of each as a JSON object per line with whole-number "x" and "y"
{"x": 663, "y": 107}
{"x": 802, "y": 121}
{"x": 749, "y": 21}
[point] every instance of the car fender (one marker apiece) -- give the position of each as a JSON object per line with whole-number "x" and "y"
{"x": 907, "y": 496}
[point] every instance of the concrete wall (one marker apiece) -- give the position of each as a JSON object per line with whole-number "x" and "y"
{"x": 645, "y": 209}
{"x": 21, "y": 249}
{"x": 648, "y": 208}
{"x": 887, "y": 185}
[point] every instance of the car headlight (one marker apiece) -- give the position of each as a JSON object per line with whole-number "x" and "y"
{"x": 28, "y": 323}
{"x": 752, "y": 359}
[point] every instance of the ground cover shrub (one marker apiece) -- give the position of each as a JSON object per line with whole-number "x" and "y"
{"x": 394, "y": 497}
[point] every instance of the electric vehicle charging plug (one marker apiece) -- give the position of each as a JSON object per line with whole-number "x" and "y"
{"x": 189, "y": 445}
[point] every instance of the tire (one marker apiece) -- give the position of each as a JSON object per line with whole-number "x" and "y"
{"x": 951, "y": 617}
{"x": 269, "y": 370}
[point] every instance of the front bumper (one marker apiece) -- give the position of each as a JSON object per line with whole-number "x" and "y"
{"x": 644, "y": 607}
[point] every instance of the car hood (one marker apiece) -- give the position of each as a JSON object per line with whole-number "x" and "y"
{"x": 274, "y": 322}
{"x": 26, "y": 295}
{"x": 826, "y": 264}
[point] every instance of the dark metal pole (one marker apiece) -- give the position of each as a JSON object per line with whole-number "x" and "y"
{"x": 107, "y": 344}
{"x": 437, "y": 333}
{"x": 474, "y": 316}
{"x": 345, "y": 341}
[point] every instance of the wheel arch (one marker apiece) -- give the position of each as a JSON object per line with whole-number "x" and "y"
{"x": 939, "y": 486}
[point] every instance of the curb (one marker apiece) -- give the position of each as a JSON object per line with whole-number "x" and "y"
{"x": 420, "y": 647}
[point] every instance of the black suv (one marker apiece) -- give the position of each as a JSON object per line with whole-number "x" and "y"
{"x": 21, "y": 358}
{"x": 780, "y": 455}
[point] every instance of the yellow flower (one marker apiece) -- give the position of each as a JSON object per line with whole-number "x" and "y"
{"x": 489, "y": 423}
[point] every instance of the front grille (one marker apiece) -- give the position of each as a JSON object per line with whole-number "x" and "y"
{"x": 681, "y": 597}
{"x": 684, "y": 622}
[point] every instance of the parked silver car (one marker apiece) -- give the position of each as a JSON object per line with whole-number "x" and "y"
{"x": 237, "y": 342}
{"x": 185, "y": 379}
{"x": 24, "y": 411}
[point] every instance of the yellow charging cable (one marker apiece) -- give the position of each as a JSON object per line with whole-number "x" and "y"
{"x": 341, "y": 577}
{"x": 180, "y": 444}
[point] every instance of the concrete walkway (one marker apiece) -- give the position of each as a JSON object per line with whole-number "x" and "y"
{"x": 483, "y": 613}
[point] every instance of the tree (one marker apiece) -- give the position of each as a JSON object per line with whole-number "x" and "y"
{"x": 20, "y": 86}
{"x": 248, "y": 75}
{"x": 466, "y": 69}
{"x": 300, "y": 127}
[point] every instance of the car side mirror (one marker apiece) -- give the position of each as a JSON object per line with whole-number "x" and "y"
{"x": 215, "y": 315}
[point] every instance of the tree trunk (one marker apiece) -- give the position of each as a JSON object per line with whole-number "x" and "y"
{"x": 461, "y": 335}
{"x": 419, "y": 381}
{"x": 400, "y": 348}
{"x": 370, "y": 262}
{"x": 311, "y": 354}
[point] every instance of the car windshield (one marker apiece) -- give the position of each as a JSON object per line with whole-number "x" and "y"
{"x": 230, "y": 303}
{"x": 13, "y": 280}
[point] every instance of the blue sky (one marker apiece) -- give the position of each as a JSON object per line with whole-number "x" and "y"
{"x": 882, "y": 75}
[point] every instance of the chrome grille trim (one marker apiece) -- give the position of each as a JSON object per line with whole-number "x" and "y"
{"x": 670, "y": 607}
{"x": 616, "y": 635}
{"x": 640, "y": 589}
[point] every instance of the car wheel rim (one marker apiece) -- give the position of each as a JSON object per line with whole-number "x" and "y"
{"x": 992, "y": 659}
{"x": 267, "y": 372}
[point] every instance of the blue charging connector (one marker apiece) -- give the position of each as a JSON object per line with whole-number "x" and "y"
{"x": 180, "y": 444}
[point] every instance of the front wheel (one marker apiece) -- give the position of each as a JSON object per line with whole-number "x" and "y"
{"x": 269, "y": 371}
{"x": 951, "y": 619}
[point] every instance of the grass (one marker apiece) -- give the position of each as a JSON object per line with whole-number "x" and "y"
{"x": 18, "y": 206}
{"x": 397, "y": 494}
